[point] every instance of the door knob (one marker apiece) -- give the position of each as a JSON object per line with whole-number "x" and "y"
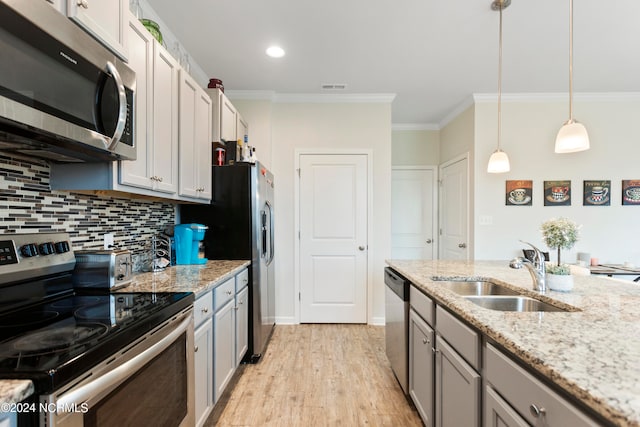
{"x": 462, "y": 245}
{"x": 429, "y": 241}
{"x": 361, "y": 248}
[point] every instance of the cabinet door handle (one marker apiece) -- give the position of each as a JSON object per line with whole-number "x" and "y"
{"x": 195, "y": 349}
{"x": 229, "y": 292}
{"x": 462, "y": 245}
{"x": 537, "y": 412}
{"x": 83, "y": 3}
{"x": 425, "y": 341}
{"x": 205, "y": 310}
{"x": 429, "y": 241}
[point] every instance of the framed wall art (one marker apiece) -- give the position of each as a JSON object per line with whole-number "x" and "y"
{"x": 519, "y": 192}
{"x": 557, "y": 193}
{"x": 631, "y": 192}
{"x": 596, "y": 193}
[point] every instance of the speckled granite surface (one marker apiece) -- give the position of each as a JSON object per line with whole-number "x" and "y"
{"x": 181, "y": 278}
{"x": 13, "y": 391}
{"x": 594, "y": 354}
{"x": 186, "y": 278}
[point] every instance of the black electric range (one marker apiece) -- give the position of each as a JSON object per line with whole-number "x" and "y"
{"x": 51, "y": 333}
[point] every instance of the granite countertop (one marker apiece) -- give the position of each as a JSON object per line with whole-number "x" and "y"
{"x": 198, "y": 279}
{"x": 593, "y": 354}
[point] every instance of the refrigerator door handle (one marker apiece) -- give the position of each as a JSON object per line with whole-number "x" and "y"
{"x": 271, "y": 244}
{"x": 264, "y": 234}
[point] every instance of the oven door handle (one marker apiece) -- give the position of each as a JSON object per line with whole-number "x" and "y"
{"x": 109, "y": 381}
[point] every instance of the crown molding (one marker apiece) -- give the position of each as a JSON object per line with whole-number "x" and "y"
{"x": 414, "y": 126}
{"x": 459, "y": 109}
{"x": 253, "y": 95}
{"x": 334, "y": 98}
{"x": 557, "y": 96}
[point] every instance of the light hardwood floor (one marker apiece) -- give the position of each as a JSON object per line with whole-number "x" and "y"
{"x": 318, "y": 375}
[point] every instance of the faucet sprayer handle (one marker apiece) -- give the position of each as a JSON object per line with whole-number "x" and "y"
{"x": 539, "y": 256}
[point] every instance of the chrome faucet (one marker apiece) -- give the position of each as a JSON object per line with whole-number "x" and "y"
{"x": 536, "y": 268}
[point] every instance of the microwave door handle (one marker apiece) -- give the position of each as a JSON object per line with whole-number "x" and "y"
{"x": 122, "y": 113}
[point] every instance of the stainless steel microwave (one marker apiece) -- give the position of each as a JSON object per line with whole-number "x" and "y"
{"x": 63, "y": 96}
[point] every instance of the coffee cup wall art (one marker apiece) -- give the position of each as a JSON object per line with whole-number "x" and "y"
{"x": 631, "y": 192}
{"x": 597, "y": 193}
{"x": 557, "y": 193}
{"x": 519, "y": 192}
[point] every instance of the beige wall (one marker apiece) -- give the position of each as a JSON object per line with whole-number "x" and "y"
{"x": 258, "y": 115}
{"x": 610, "y": 233}
{"x": 415, "y": 147}
{"x": 457, "y": 137}
{"x": 339, "y": 126}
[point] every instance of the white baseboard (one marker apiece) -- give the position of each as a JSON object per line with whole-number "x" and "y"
{"x": 286, "y": 321}
{"x": 377, "y": 321}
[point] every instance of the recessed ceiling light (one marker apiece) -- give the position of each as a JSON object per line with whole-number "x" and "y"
{"x": 275, "y": 51}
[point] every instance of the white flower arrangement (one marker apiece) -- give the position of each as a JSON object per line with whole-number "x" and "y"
{"x": 560, "y": 233}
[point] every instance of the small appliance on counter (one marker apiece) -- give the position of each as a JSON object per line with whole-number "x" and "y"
{"x": 102, "y": 269}
{"x": 189, "y": 243}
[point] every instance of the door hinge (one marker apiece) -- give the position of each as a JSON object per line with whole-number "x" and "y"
{"x": 298, "y": 234}
{"x": 440, "y": 182}
{"x": 299, "y": 296}
{"x": 440, "y": 231}
{"x": 298, "y": 172}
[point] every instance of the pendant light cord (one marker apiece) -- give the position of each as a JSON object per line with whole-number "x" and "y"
{"x": 500, "y": 80}
{"x": 571, "y": 61}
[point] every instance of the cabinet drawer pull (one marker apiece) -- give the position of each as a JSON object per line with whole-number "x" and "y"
{"x": 537, "y": 412}
{"x": 205, "y": 310}
{"x": 425, "y": 341}
{"x": 195, "y": 349}
{"x": 83, "y": 3}
{"x": 229, "y": 292}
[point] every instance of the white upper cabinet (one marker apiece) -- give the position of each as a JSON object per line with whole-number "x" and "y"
{"x": 194, "y": 139}
{"x": 224, "y": 117}
{"x": 165, "y": 120}
{"x": 138, "y": 173}
{"x": 106, "y": 20}
{"x": 242, "y": 127}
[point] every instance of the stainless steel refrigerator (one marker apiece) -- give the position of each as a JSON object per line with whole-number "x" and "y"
{"x": 240, "y": 220}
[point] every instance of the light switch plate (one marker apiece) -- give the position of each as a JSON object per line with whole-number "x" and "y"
{"x": 485, "y": 220}
{"x": 108, "y": 240}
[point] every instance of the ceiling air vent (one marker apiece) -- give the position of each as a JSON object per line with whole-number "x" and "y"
{"x": 334, "y": 86}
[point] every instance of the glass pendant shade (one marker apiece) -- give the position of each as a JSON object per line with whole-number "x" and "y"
{"x": 572, "y": 137}
{"x": 498, "y": 162}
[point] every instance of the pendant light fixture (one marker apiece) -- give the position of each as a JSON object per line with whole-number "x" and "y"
{"x": 572, "y": 136}
{"x": 499, "y": 161}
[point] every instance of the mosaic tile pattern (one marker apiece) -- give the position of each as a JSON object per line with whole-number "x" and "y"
{"x": 27, "y": 205}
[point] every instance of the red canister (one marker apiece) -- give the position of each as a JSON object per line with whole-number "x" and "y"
{"x": 215, "y": 84}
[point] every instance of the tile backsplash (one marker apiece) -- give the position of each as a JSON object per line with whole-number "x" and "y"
{"x": 28, "y": 205}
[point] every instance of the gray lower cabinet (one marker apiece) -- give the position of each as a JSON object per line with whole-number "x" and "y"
{"x": 203, "y": 356}
{"x": 458, "y": 388}
{"x": 533, "y": 401}
{"x": 498, "y": 413}
{"x": 230, "y": 329}
{"x": 421, "y": 366}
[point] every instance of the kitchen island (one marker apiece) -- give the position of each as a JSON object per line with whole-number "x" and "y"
{"x": 591, "y": 353}
{"x": 198, "y": 279}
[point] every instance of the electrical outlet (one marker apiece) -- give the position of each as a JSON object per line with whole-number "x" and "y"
{"x": 485, "y": 220}
{"x": 108, "y": 240}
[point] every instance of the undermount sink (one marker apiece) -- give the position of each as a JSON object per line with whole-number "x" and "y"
{"x": 478, "y": 288}
{"x": 512, "y": 303}
{"x": 493, "y": 296}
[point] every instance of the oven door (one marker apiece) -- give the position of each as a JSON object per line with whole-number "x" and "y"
{"x": 148, "y": 383}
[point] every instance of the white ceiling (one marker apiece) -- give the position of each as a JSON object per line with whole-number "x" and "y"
{"x": 433, "y": 54}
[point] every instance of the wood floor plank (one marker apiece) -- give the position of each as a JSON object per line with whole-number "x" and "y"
{"x": 318, "y": 375}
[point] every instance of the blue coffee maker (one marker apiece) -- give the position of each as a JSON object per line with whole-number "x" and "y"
{"x": 189, "y": 244}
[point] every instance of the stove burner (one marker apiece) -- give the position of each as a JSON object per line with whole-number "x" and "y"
{"x": 71, "y": 303}
{"x": 53, "y": 340}
{"x": 17, "y": 320}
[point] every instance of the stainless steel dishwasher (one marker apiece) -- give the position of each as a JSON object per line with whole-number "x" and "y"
{"x": 396, "y": 312}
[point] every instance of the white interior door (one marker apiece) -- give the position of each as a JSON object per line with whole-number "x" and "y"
{"x": 454, "y": 210}
{"x": 413, "y": 213}
{"x": 333, "y": 238}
